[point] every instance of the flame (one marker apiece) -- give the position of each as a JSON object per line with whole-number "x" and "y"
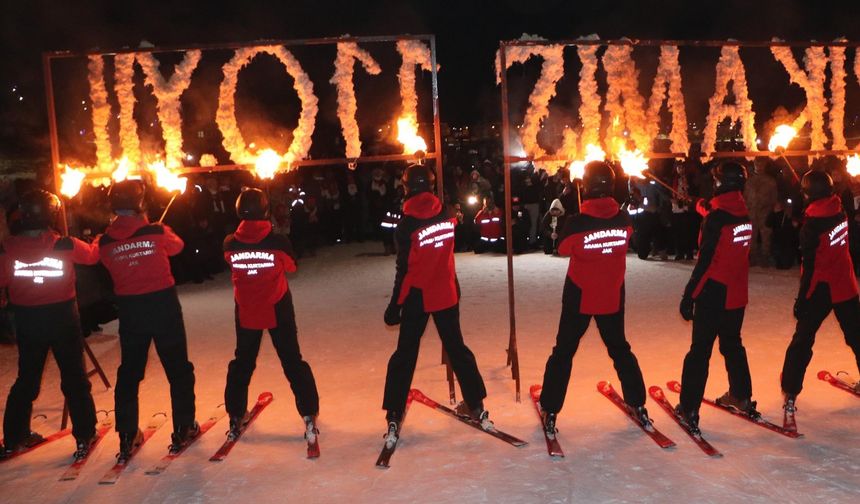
{"x": 854, "y": 165}
{"x": 121, "y": 171}
{"x": 72, "y": 179}
{"x": 782, "y": 136}
{"x": 407, "y": 134}
{"x": 633, "y": 163}
{"x": 267, "y": 164}
{"x": 166, "y": 178}
{"x": 592, "y": 153}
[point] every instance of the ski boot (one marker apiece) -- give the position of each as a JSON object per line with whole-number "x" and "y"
{"x": 83, "y": 446}
{"x": 236, "y": 424}
{"x": 393, "y": 433}
{"x": 690, "y": 419}
{"x": 641, "y": 415}
{"x": 29, "y": 441}
{"x": 477, "y": 414}
{"x": 127, "y": 443}
{"x": 745, "y": 406}
{"x": 789, "y": 409}
{"x": 311, "y": 431}
{"x": 182, "y": 436}
{"x": 549, "y": 421}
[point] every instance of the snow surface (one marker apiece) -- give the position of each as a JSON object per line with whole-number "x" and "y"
{"x": 340, "y": 296}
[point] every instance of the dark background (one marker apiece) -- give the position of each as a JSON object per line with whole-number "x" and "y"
{"x": 467, "y": 36}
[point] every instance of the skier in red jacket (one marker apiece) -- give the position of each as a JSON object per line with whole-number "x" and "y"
{"x": 827, "y": 282}
{"x": 596, "y": 241}
{"x": 426, "y": 284}
{"x": 259, "y": 260}
{"x": 38, "y": 267}
{"x": 136, "y": 253}
{"x": 716, "y": 297}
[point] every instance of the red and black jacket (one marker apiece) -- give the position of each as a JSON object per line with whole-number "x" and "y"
{"x": 596, "y": 241}
{"x": 136, "y": 253}
{"x": 259, "y": 260}
{"x": 490, "y": 223}
{"x": 425, "y": 254}
{"x": 826, "y": 258}
{"x": 40, "y": 270}
{"x": 724, "y": 246}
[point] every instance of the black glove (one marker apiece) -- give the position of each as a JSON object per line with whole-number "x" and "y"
{"x": 392, "y": 314}
{"x": 686, "y": 308}
{"x": 799, "y": 307}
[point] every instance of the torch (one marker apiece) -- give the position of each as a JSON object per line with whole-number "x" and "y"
{"x": 72, "y": 179}
{"x": 853, "y": 165}
{"x": 635, "y": 165}
{"x": 782, "y": 136}
{"x": 266, "y": 166}
{"x": 167, "y": 179}
{"x": 577, "y": 168}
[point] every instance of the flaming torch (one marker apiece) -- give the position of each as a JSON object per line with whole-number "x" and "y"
{"x": 267, "y": 164}
{"x": 853, "y": 165}
{"x": 122, "y": 170}
{"x": 782, "y": 136}
{"x": 635, "y": 165}
{"x": 168, "y": 180}
{"x": 72, "y": 178}
{"x": 407, "y": 134}
{"x": 577, "y": 168}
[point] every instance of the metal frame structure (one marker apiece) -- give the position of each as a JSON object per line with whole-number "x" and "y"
{"x": 436, "y": 155}
{"x": 509, "y": 158}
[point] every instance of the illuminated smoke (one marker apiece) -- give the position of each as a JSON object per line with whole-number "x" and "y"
{"x": 623, "y": 99}
{"x": 413, "y": 53}
{"x": 124, "y": 87}
{"x": 344, "y": 70}
{"x": 812, "y": 82}
{"x": 837, "y": 96}
{"x": 552, "y": 70}
{"x": 589, "y": 110}
{"x": 100, "y": 112}
{"x": 167, "y": 93}
{"x": 730, "y": 68}
{"x": 669, "y": 73}
{"x": 225, "y": 117}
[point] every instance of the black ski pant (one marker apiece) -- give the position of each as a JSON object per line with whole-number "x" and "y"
{"x": 286, "y": 343}
{"x": 55, "y": 328}
{"x": 401, "y": 366}
{"x": 799, "y": 352}
{"x": 156, "y": 318}
{"x": 711, "y": 320}
{"x": 571, "y": 328}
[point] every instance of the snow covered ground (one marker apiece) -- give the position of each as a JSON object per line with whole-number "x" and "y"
{"x": 340, "y": 296}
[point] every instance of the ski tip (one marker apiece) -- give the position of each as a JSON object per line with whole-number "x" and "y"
{"x": 265, "y": 398}
{"x": 534, "y": 389}
{"x": 603, "y": 385}
{"x": 655, "y": 391}
{"x": 824, "y": 375}
{"x": 674, "y": 386}
{"x": 417, "y": 394}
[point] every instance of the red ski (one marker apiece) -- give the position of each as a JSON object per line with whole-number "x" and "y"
{"x": 77, "y": 466}
{"x": 419, "y": 396}
{"x": 263, "y": 400}
{"x": 675, "y": 387}
{"x": 838, "y": 383}
{"x": 114, "y": 473}
{"x": 609, "y": 392}
{"x": 388, "y": 450}
{"x": 27, "y": 449}
{"x": 656, "y": 393}
{"x": 216, "y": 415}
{"x": 553, "y": 447}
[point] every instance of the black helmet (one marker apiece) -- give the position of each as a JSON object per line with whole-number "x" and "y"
{"x": 729, "y": 176}
{"x": 598, "y": 180}
{"x": 252, "y": 204}
{"x": 816, "y": 185}
{"x": 127, "y": 195}
{"x": 39, "y": 209}
{"x": 418, "y": 179}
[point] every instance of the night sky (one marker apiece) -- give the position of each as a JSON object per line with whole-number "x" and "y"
{"x": 467, "y": 35}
